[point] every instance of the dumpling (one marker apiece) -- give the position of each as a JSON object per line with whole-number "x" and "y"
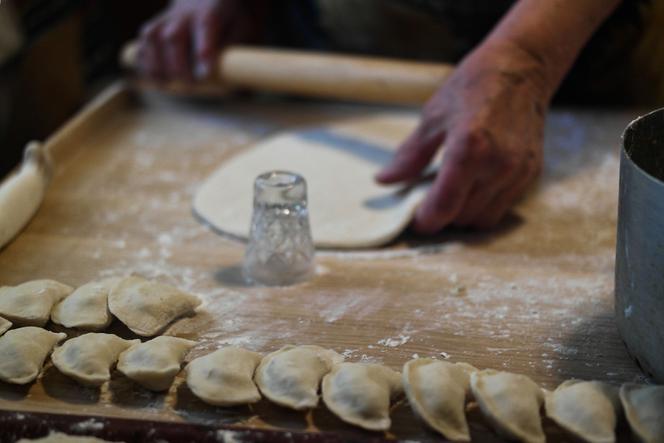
{"x": 23, "y": 351}
{"x": 58, "y": 437}
{"x": 361, "y": 393}
{"x": 586, "y": 409}
{"x": 86, "y": 307}
{"x": 155, "y": 363}
{"x": 225, "y": 377}
{"x": 88, "y": 358}
{"x": 30, "y": 303}
{"x": 437, "y": 392}
{"x": 291, "y": 376}
{"x": 511, "y": 402}
{"x": 644, "y": 409}
{"x": 147, "y": 307}
{"x": 4, "y": 325}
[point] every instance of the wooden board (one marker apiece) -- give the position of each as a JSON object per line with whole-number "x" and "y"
{"x": 534, "y": 296}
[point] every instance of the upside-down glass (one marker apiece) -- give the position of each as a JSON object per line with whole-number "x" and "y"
{"x": 280, "y": 250}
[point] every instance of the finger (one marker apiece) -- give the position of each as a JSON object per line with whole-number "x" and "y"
{"x": 207, "y": 41}
{"x": 498, "y": 208}
{"x": 176, "y": 42}
{"x": 414, "y": 154}
{"x": 447, "y": 195}
{"x": 149, "y": 60}
{"x": 487, "y": 189}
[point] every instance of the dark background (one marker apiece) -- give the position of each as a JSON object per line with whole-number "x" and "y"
{"x": 70, "y": 52}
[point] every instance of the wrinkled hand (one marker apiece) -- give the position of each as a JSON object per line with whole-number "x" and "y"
{"x": 182, "y": 42}
{"x": 489, "y": 115}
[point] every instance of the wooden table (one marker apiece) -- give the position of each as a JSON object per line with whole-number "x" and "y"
{"x": 535, "y": 296}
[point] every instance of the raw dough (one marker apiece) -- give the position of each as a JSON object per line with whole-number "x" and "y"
{"x": 511, "y": 402}
{"x": 87, "y": 307}
{"x": 347, "y": 208}
{"x": 644, "y": 409}
{"x": 147, "y": 307}
{"x": 57, "y": 437}
{"x": 23, "y": 351}
{"x": 361, "y": 393}
{"x": 291, "y": 376}
{"x": 155, "y": 363}
{"x": 30, "y": 303}
{"x": 587, "y": 409}
{"x": 4, "y": 325}
{"x": 437, "y": 391}
{"x": 225, "y": 377}
{"x": 88, "y": 358}
{"x": 22, "y": 193}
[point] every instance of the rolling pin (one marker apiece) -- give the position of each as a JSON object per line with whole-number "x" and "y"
{"x": 311, "y": 74}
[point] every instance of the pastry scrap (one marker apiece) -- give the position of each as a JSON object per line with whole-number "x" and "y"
{"x": 23, "y": 351}
{"x": 148, "y": 307}
{"x": 155, "y": 363}
{"x": 225, "y": 377}
{"x": 511, "y": 402}
{"x": 437, "y": 391}
{"x": 87, "y": 307}
{"x": 587, "y": 409}
{"x": 291, "y": 376}
{"x": 30, "y": 303}
{"x": 4, "y": 325}
{"x": 644, "y": 409}
{"x": 361, "y": 393}
{"x": 88, "y": 358}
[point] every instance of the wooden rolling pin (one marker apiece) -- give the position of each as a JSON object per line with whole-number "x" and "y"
{"x": 342, "y": 77}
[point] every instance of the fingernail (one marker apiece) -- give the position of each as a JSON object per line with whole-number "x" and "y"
{"x": 386, "y": 173}
{"x": 381, "y": 175}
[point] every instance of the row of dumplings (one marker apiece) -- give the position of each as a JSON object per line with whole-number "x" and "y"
{"x": 359, "y": 393}
{"x": 144, "y": 306}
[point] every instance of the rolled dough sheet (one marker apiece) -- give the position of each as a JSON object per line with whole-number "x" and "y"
{"x": 347, "y": 209}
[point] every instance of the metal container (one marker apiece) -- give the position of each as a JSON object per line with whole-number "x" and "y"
{"x": 639, "y": 288}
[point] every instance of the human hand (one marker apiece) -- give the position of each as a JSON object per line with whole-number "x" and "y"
{"x": 182, "y": 42}
{"x": 490, "y": 116}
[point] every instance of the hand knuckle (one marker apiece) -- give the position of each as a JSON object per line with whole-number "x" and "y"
{"x": 429, "y": 128}
{"x": 505, "y": 163}
{"x": 150, "y": 30}
{"x": 172, "y": 32}
{"x": 475, "y": 147}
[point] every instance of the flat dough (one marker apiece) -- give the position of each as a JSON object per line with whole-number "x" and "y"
{"x": 88, "y": 358}
{"x": 155, "y": 363}
{"x": 87, "y": 307}
{"x": 148, "y": 307}
{"x": 291, "y": 376}
{"x": 30, "y": 303}
{"x": 58, "y": 437}
{"x": 225, "y": 377}
{"x": 4, "y": 325}
{"x": 23, "y": 351}
{"x": 347, "y": 208}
